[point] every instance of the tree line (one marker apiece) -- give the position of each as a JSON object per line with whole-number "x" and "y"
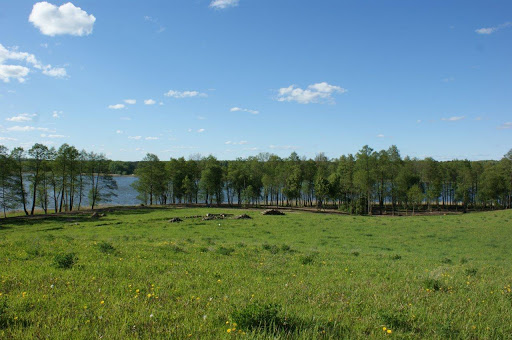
{"x": 368, "y": 182}
{"x": 53, "y": 179}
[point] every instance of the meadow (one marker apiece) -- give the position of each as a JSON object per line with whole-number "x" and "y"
{"x": 133, "y": 274}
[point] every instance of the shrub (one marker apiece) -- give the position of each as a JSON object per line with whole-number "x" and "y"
{"x": 260, "y": 316}
{"x": 106, "y": 247}
{"x": 434, "y": 284}
{"x": 286, "y": 247}
{"x": 225, "y": 251}
{"x": 471, "y": 271}
{"x": 64, "y": 260}
{"x": 308, "y": 259}
{"x": 3, "y": 313}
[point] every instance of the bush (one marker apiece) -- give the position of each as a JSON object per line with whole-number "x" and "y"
{"x": 64, "y": 260}
{"x": 225, "y": 251}
{"x": 471, "y": 271}
{"x": 434, "y": 285}
{"x": 260, "y": 316}
{"x": 3, "y": 313}
{"x": 106, "y": 248}
{"x": 308, "y": 259}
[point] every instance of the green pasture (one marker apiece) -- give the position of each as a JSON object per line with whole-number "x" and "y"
{"x": 132, "y": 274}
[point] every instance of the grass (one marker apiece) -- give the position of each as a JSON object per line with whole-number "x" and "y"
{"x": 132, "y": 275}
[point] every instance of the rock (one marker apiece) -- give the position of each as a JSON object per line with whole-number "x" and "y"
{"x": 272, "y": 212}
{"x": 243, "y": 217}
{"x": 175, "y": 220}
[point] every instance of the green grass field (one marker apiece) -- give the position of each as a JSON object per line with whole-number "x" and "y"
{"x": 132, "y": 274}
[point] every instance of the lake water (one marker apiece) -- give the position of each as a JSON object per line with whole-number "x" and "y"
{"x": 126, "y": 195}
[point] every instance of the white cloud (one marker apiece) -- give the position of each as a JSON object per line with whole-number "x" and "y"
{"x": 13, "y": 71}
{"x": 53, "y": 136}
{"x": 119, "y": 132}
{"x": 57, "y": 72}
{"x": 57, "y": 114}
{"x": 453, "y": 119}
{"x": 149, "y": 102}
{"x": 155, "y": 21}
{"x": 242, "y": 142}
{"x": 22, "y": 117}
{"x": 282, "y": 147}
{"x": 135, "y": 137}
{"x": 66, "y": 19}
{"x": 201, "y": 130}
{"x": 507, "y": 125}
{"x": 490, "y": 30}
{"x": 151, "y": 138}
{"x": 221, "y": 4}
{"x": 235, "y": 109}
{"x": 8, "y": 139}
{"x": 116, "y": 106}
{"x": 26, "y": 129}
{"x": 130, "y": 101}
{"x": 316, "y": 93}
{"x": 20, "y": 72}
{"x": 380, "y": 135}
{"x": 184, "y": 94}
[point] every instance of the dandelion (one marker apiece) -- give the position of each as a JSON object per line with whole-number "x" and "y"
{"x": 384, "y": 329}
{"x": 229, "y": 330}
{"x": 102, "y": 302}
{"x": 389, "y": 331}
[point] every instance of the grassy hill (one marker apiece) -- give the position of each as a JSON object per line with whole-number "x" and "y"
{"x": 132, "y": 274}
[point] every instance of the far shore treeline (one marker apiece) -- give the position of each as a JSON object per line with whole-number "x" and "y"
{"x": 365, "y": 183}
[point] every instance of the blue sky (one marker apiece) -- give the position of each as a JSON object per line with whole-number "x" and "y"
{"x": 235, "y": 78}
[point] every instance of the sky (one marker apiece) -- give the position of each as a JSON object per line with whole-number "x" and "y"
{"x": 234, "y": 78}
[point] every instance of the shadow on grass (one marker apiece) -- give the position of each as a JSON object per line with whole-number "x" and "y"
{"x": 74, "y": 216}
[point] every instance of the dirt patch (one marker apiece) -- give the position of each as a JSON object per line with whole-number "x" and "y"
{"x": 273, "y": 212}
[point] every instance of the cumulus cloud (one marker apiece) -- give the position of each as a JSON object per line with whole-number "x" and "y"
{"x": 316, "y": 93}
{"x": 119, "y": 132}
{"x": 22, "y": 117}
{"x": 184, "y": 94}
{"x": 201, "y": 130}
{"x": 57, "y": 114}
{"x": 19, "y": 72}
{"x": 130, "y": 101}
{"x": 116, "y": 106}
{"x": 27, "y": 129}
{"x": 151, "y": 138}
{"x": 453, "y": 119}
{"x": 490, "y": 30}
{"x": 149, "y": 102}
{"x": 221, "y": 4}
{"x": 380, "y": 135}
{"x": 236, "y": 109}
{"x": 13, "y": 71}
{"x": 135, "y": 137}
{"x": 66, "y": 19}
